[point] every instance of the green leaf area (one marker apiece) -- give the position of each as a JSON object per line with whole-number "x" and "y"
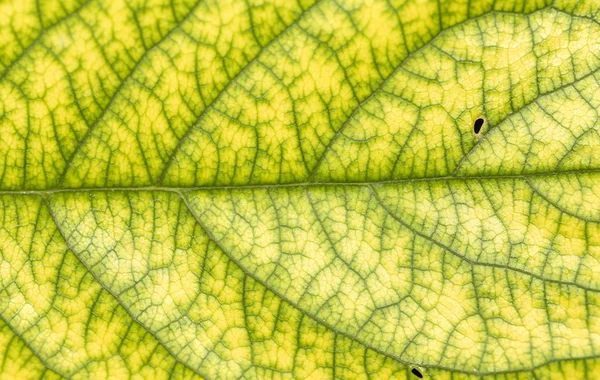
{"x": 300, "y": 189}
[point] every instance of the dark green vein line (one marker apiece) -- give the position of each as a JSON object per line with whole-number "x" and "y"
{"x": 350, "y": 336}
{"x": 33, "y": 351}
{"x": 221, "y": 93}
{"x": 398, "y": 67}
{"x": 48, "y": 205}
{"x": 470, "y": 261}
{"x": 43, "y": 31}
{"x": 496, "y": 127}
{"x": 118, "y": 89}
{"x": 556, "y": 206}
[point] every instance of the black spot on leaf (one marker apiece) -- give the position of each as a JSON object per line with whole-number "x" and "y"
{"x": 417, "y": 373}
{"x": 478, "y": 125}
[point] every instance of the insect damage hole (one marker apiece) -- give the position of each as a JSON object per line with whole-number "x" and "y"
{"x": 417, "y": 373}
{"x": 478, "y": 125}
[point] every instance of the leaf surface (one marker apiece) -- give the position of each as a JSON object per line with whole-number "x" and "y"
{"x": 278, "y": 189}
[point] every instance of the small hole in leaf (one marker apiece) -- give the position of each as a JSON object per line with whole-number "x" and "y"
{"x": 417, "y": 373}
{"x": 478, "y": 125}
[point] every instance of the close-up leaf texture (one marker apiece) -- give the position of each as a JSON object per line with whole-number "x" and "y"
{"x": 308, "y": 189}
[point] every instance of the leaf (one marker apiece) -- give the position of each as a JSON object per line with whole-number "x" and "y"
{"x": 276, "y": 189}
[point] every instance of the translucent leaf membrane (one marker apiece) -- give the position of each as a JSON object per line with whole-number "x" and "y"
{"x": 189, "y": 306}
{"x": 486, "y": 274}
{"x": 295, "y": 189}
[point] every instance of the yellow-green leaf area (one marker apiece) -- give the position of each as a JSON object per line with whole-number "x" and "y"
{"x": 281, "y": 189}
